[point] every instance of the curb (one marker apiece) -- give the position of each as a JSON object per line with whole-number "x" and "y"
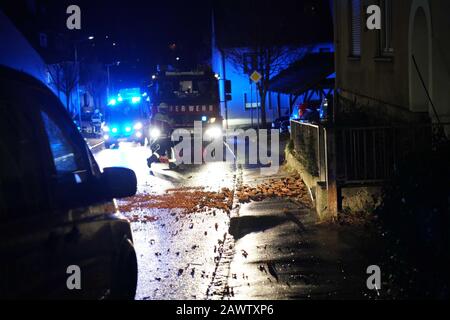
{"x": 218, "y": 286}
{"x": 317, "y": 192}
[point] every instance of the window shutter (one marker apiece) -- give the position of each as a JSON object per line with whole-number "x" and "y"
{"x": 355, "y": 27}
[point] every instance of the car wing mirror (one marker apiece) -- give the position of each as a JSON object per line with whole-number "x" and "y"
{"x": 119, "y": 182}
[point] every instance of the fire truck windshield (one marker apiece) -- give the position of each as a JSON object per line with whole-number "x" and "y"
{"x": 123, "y": 112}
{"x": 186, "y": 89}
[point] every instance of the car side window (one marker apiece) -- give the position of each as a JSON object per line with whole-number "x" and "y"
{"x": 63, "y": 151}
{"x": 70, "y": 160}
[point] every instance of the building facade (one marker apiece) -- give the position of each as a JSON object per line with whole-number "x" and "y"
{"x": 391, "y": 104}
{"x": 392, "y": 73}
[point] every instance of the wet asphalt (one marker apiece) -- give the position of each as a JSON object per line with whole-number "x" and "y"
{"x": 272, "y": 249}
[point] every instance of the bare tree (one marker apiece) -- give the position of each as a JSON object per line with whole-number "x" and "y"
{"x": 64, "y": 78}
{"x": 268, "y": 60}
{"x": 272, "y": 36}
{"x": 95, "y": 81}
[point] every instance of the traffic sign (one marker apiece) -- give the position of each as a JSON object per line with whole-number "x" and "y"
{"x": 255, "y": 76}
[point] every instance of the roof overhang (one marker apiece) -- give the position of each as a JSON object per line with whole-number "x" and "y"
{"x": 311, "y": 72}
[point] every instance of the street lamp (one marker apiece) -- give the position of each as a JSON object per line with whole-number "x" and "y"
{"x": 90, "y": 38}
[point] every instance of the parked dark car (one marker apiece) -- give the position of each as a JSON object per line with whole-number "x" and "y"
{"x": 56, "y": 208}
{"x": 311, "y": 111}
{"x": 282, "y": 124}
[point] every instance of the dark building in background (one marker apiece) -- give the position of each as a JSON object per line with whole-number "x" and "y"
{"x": 18, "y": 53}
{"x": 42, "y": 22}
{"x": 73, "y": 68}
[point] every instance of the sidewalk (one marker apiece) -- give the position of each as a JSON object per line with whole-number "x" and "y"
{"x": 282, "y": 253}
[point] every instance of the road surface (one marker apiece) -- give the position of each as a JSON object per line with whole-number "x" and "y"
{"x": 260, "y": 250}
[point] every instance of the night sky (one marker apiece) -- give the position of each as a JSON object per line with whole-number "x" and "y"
{"x": 143, "y": 31}
{"x": 147, "y": 28}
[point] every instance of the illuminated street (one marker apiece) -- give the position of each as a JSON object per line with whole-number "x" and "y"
{"x": 224, "y": 153}
{"x": 176, "y": 253}
{"x": 271, "y": 251}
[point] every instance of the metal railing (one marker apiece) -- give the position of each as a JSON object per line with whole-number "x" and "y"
{"x": 309, "y": 146}
{"x": 364, "y": 155}
{"x": 373, "y": 154}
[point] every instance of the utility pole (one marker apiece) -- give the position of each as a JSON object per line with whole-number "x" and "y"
{"x": 78, "y": 85}
{"x": 225, "y": 100}
{"x": 251, "y": 102}
{"x": 257, "y": 104}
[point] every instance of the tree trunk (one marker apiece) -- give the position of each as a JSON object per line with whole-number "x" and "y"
{"x": 279, "y": 105}
{"x": 263, "y": 95}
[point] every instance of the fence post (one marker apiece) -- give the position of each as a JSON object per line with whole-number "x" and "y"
{"x": 322, "y": 149}
{"x": 332, "y": 187}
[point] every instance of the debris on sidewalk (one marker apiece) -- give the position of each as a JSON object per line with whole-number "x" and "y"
{"x": 187, "y": 200}
{"x": 141, "y": 218}
{"x": 272, "y": 270}
{"x": 292, "y": 187}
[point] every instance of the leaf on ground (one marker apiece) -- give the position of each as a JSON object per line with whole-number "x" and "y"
{"x": 272, "y": 270}
{"x": 187, "y": 200}
{"x": 292, "y": 187}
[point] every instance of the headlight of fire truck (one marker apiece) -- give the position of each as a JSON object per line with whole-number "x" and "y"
{"x": 138, "y": 126}
{"x": 213, "y": 132}
{"x": 155, "y": 133}
{"x": 105, "y": 129}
